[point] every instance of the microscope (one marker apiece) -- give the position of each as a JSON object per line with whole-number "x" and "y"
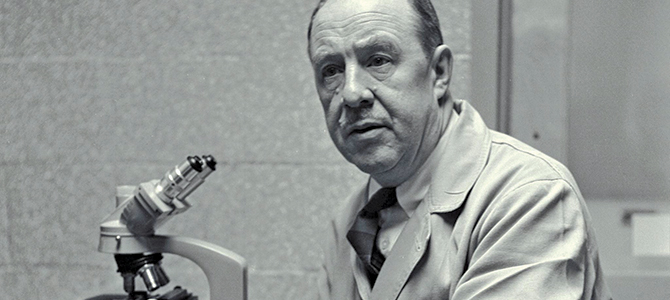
{"x": 129, "y": 233}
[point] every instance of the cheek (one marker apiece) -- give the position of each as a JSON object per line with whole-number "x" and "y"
{"x": 330, "y": 111}
{"x": 325, "y": 96}
{"x": 412, "y": 115}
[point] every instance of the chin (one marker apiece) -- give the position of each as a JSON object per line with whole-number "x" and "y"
{"x": 373, "y": 163}
{"x": 373, "y": 158}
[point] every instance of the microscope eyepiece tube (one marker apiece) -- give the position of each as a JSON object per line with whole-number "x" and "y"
{"x": 208, "y": 166}
{"x": 179, "y": 178}
{"x": 153, "y": 202}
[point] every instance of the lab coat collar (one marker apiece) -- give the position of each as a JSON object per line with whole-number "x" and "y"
{"x": 465, "y": 155}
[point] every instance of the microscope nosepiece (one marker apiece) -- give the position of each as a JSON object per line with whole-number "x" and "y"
{"x": 147, "y": 266}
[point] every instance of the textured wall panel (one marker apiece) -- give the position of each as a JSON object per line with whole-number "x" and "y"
{"x": 51, "y": 113}
{"x": 55, "y": 211}
{"x": 222, "y": 106}
{"x": 57, "y": 282}
{"x": 4, "y": 223}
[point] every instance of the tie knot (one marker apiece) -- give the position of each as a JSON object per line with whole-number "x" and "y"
{"x": 384, "y": 198}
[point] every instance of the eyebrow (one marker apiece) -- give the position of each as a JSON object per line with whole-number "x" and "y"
{"x": 321, "y": 55}
{"x": 376, "y": 43}
{"x": 371, "y": 43}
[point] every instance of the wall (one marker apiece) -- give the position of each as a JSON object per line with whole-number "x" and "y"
{"x": 538, "y": 109}
{"x": 618, "y": 131}
{"x": 97, "y": 94}
{"x": 620, "y": 86}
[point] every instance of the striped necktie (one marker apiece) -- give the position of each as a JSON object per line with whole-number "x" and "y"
{"x": 363, "y": 233}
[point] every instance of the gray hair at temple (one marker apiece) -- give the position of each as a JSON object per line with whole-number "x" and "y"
{"x": 428, "y": 26}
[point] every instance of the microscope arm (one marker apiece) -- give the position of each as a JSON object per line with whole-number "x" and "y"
{"x": 225, "y": 270}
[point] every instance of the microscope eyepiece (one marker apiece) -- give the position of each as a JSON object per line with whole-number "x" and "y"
{"x": 195, "y": 162}
{"x": 210, "y": 161}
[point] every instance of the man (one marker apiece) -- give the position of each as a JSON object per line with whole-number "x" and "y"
{"x": 452, "y": 210}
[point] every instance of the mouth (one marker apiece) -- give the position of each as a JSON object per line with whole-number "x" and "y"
{"x": 363, "y": 128}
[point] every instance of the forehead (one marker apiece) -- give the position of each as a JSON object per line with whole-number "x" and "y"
{"x": 351, "y": 21}
{"x": 345, "y": 8}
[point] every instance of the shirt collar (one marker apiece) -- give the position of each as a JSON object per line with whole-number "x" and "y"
{"x": 411, "y": 192}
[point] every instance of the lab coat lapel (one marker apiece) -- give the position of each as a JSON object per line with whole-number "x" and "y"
{"x": 406, "y": 253}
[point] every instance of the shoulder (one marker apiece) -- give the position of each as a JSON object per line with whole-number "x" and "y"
{"x": 521, "y": 183}
{"x": 517, "y": 163}
{"x": 518, "y": 180}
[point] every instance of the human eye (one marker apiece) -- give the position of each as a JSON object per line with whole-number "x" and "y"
{"x": 330, "y": 71}
{"x": 380, "y": 66}
{"x": 331, "y": 75}
{"x": 378, "y": 61}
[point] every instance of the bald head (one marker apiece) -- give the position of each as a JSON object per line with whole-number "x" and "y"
{"x": 427, "y": 24}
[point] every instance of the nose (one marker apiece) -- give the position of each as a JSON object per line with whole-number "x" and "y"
{"x": 356, "y": 91}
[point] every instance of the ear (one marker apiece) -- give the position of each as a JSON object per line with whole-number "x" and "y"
{"x": 441, "y": 64}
